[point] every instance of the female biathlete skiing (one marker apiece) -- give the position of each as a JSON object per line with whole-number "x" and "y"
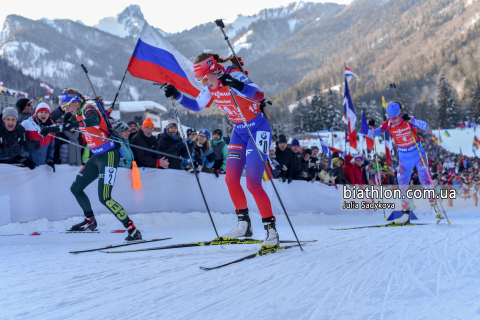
{"x": 403, "y": 128}
{"x": 102, "y": 165}
{"x": 241, "y": 150}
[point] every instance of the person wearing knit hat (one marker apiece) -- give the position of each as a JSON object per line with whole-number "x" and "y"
{"x": 308, "y": 168}
{"x": 148, "y": 123}
{"x": 33, "y": 126}
{"x": 297, "y": 159}
{"x": 202, "y": 153}
{"x": 24, "y": 108}
{"x": 205, "y": 132}
{"x": 172, "y": 122}
{"x": 284, "y": 157}
{"x": 357, "y": 170}
{"x": 133, "y": 129}
{"x": 171, "y": 142}
{"x": 191, "y": 134}
{"x": 281, "y": 139}
{"x": 14, "y": 146}
{"x": 220, "y": 148}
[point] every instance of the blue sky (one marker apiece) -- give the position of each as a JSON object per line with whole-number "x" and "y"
{"x": 168, "y": 15}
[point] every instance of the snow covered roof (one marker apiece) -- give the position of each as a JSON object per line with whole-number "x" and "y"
{"x": 138, "y": 106}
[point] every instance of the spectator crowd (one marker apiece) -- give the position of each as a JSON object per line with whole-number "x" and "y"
{"x": 21, "y": 144}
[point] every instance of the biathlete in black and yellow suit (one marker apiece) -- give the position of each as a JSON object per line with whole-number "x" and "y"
{"x": 102, "y": 165}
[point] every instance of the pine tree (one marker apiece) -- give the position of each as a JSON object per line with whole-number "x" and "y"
{"x": 318, "y": 108}
{"x": 447, "y": 103}
{"x": 298, "y": 116}
{"x": 332, "y": 115}
{"x": 474, "y": 105}
{"x": 372, "y": 110}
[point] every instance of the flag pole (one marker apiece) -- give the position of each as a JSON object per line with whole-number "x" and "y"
{"x": 118, "y": 91}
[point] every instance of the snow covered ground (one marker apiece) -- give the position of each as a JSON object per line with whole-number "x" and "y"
{"x": 422, "y": 272}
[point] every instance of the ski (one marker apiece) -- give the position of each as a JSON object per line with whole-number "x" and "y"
{"x": 261, "y": 252}
{"x": 216, "y": 242}
{"x": 126, "y": 243}
{"x": 37, "y": 233}
{"x": 384, "y": 225}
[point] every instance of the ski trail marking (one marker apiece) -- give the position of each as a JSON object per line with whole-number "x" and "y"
{"x": 386, "y": 295}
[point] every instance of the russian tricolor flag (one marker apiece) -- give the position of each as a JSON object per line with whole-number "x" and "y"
{"x": 155, "y": 59}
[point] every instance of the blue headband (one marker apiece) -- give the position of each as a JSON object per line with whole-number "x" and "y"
{"x": 70, "y": 97}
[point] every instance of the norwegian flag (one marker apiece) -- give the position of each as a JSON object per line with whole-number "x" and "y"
{"x": 349, "y": 114}
{"x": 47, "y": 87}
{"x": 349, "y": 74}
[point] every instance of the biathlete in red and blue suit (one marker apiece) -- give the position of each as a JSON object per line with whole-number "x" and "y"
{"x": 403, "y": 128}
{"x": 241, "y": 150}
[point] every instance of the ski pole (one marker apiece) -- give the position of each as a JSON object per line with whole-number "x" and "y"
{"x": 189, "y": 155}
{"x": 264, "y": 165}
{"x": 76, "y": 145}
{"x": 133, "y": 146}
{"x": 378, "y": 168}
{"x": 392, "y": 85}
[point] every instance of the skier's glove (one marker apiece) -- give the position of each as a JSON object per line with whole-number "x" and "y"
{"x": 211, "y": 157}
{"x": 371, "y": 122}
{"x": 228, "y": 80}
{"x": 67, "y": 126}
{"x": 170, "y": 91}
{"x": 51, "y": 165}
{"x": 31, "y": 145}
{"x": 406, "y": 117}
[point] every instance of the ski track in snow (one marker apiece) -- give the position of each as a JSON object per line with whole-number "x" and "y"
{"x": 424, "y": 272}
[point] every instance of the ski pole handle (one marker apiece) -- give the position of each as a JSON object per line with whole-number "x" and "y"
{"x": 84, "y": 69}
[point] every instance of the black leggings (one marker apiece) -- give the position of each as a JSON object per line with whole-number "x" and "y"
{"x": 104, "y": 167}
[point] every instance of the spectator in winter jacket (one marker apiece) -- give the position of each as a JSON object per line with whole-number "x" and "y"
{"x": 338, "y": 172}
{"x": 315, "y": 155}
{"x": 284, "y": 156}
{"x": 227, "y": 138}
{"x": 171, "y": 142}
{"x": 297, "y": 159}
{"x": 308, "y": 168}
{"x": 274, "y": 166}
{"x": 324, "y": 172}
{"x": 133, "y": 129}
{"x": 14, "y": 147}
{"x": 357, "y": 170}
{"x": 220, "y": 147}
{"x": 348, "y": 169}
{"x": 367, "y": 173}
{"x": 25, "y": 107}
{"x": 191, "y": 134}
{"x": 201, "y": 152}
{"x": 33, "y": 125}
{"x": 144, "y": 138}
{"x": 122, "y": 131}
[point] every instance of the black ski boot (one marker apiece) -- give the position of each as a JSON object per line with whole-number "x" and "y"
{"x": 133, "y": 233}
{"x": 89, "y": 224}
{"x": 404, "y": 219}
{"x": 243, "y": 228}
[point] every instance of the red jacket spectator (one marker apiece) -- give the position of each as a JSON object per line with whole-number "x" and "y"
{"x": 357, "y": 171}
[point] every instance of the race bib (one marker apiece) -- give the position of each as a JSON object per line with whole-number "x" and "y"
{"x": 109, "y": 177}
{"x": 262, "y": 141}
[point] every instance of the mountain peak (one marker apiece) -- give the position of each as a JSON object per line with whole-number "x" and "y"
{"x": 127, "y": 23}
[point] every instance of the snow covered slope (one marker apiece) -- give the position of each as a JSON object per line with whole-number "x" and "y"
{"x": 422, "y": 272}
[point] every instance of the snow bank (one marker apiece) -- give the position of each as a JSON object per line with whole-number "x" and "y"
{"x": 49, "y": 195}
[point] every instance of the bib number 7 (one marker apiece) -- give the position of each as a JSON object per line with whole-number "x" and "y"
{"x": 263, "y": 141}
